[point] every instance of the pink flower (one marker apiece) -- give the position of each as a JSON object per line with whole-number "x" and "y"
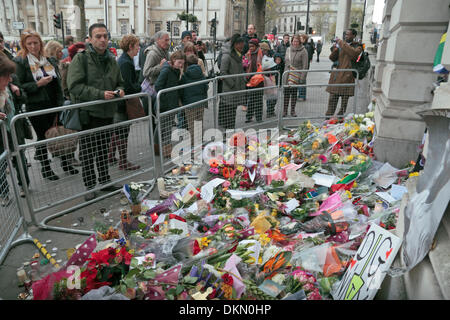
{"x": 226, "y": 184}
{"x": 315, "y": 295}
{"x": 301, "y": 277}
{"x": 214, "y": 170}
{"x": 323, "y": 158}
{"x": 308, "y": 287}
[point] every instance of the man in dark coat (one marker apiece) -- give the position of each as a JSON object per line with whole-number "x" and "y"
{"x": 318, "y": 49}
{"x": 343, "y": 52}
{"x": 283, "y": 46}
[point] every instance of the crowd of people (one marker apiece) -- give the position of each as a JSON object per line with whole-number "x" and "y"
{"x": 43, "y": 76}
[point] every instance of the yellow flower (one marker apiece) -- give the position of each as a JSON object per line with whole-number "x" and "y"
{"x": 315, "y": 145}
{"x": 264, "y": 239}
{"x": 250, "y": 260}
{"x": 308, "y": 124}
{"x": 349, "y": 158}
{"x": 414, "y": 174}
{"x": 362, "y": 157}
{"x": 349, "y": 194}
{"x": 205, "y": 242}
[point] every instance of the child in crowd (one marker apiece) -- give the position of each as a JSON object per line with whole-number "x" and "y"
{"x": 193, "y": 94}
{"x": 169, "y": 77}
{"x": 270, "y": 81}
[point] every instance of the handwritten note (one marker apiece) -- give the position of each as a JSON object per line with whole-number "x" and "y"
{"x": 368, "y": 267}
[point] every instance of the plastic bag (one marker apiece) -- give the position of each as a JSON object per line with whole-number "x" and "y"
{"x": 103, "y": 293}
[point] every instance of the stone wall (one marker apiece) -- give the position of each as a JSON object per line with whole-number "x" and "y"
{"x": 403, "y": 76}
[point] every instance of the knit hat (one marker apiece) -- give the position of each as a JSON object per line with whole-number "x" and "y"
{"x": 254, "y": 41}
{"x": 264, "y": 46}
{"x": 268, "y": 63}
{"x": 186, "y": 33}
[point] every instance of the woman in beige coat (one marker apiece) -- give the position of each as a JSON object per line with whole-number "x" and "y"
{"x": 296, "y": 59}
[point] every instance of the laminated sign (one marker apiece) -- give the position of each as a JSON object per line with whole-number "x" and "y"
{"x": 368, "y": 267}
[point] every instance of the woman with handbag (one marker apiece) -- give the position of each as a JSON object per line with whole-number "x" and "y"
{"x": 296, "y": 59}
{"x": 41, "y": 81}
{"x": 53, "y": 52}
{"x": 131, "y": 108}
{"x": 7, "y": 112}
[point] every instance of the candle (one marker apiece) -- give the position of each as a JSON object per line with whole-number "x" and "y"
{"x": 22, "y": 276}
{"x": 161, "y": 184}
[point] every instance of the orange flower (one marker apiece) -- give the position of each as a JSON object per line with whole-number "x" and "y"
{"x": 213, "y": 163}
{"x": 226, "y": 173}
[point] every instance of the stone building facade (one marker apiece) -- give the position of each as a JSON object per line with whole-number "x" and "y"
{"x": 143, "y": 17}
{"x": 292, "y": 11}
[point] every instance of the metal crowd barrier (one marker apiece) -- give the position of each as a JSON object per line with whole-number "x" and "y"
{"x": 180, "y": 130}
{"x": 249, "y": 107}
{"x": 315, "y": 101}
{"x": 12, "y": 217}
{"x": 134, "y": 138}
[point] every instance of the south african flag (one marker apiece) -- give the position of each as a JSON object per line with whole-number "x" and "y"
{"x": 437, "y": 66}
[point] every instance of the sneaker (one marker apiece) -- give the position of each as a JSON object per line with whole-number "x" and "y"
{"x": 21, "y": 192}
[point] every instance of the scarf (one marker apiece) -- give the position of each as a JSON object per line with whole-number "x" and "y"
{"x": 40, "y": 67}
{"x": 255, "y": 59}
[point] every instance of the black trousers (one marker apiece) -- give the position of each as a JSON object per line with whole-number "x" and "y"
{"x": 94, "y": 147}
{"x": 333, "y": 101}
{"x": 255, "y": 104}
{"x": 40, "y": 125}
{"x": 227, "y": 114}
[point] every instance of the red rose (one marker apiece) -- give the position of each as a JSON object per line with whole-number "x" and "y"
{"x": 227, "y": 279}
{"x": 196, "y": 248}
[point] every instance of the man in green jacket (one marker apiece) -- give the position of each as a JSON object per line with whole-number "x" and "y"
{"x": 95, "y": 75}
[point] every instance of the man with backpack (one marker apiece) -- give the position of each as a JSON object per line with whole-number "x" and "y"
{"x": 344, "y": 53}
{"x": 95, "y": 75}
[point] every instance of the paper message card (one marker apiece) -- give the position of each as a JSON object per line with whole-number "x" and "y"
{"x": 368, "y": 267}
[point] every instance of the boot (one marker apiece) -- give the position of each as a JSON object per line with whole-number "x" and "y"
{"x": 293, "y": 114}
{"x": 123, "y": 162}
{"x": 47, "y": 172}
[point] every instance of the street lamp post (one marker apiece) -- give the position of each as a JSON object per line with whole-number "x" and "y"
{"x": 307, "y": 18}
{"x": 187, "y": 15}
{"x": 246, "y": 19}
{"x": 106, "y": 14}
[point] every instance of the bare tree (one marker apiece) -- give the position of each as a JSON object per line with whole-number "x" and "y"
{"x": 272, "y": 13}
{"x": 320, "y": 19}
{"x": 259, "y": 12}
